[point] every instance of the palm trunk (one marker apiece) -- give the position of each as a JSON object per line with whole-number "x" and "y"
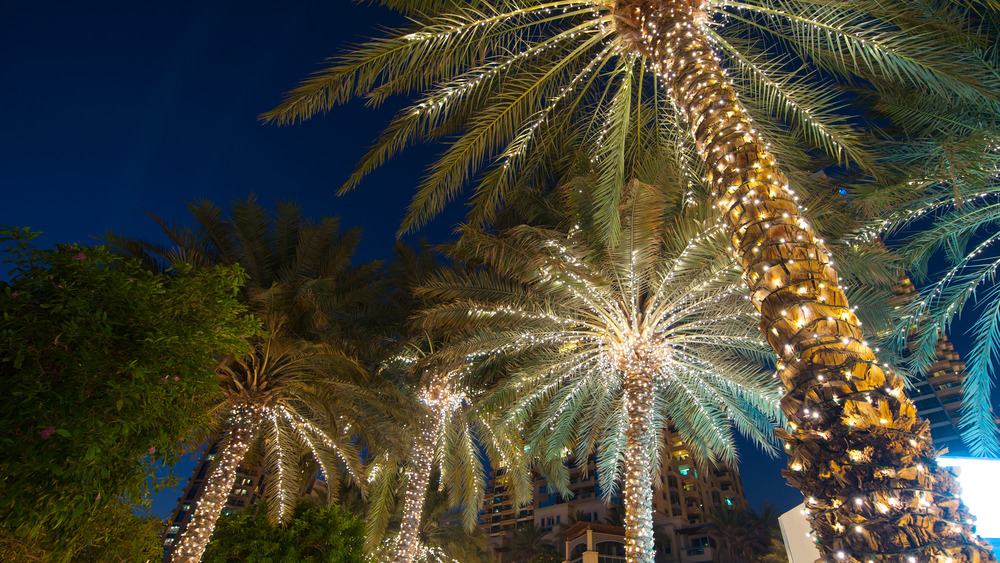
{"x": 220, "y": 482}
{"x": 860, "y": 455}
{"x": 417, "y": 478}
{"x": 638, "y": 487}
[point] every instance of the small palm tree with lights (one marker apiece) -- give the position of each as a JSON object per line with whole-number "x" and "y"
{"x": 301, "y": 387}
{"x": 613, "y": 340}
{"x": 448, "y": 431}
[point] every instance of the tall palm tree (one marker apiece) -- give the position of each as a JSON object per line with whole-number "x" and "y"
{"x": 612, "y": 340}
{"x": 300, "y": 388}
{"x": 440, "y": 396}
{"x": 527, "y": 78}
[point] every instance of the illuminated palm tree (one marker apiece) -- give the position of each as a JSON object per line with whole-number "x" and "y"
{"x": 447, "y": 429}
{"x": 443, "y": 537}
{"x": 529, "y": 541}
{"x": 439, "y": 397}
{"x": 614, "y": 340}
{"x": 522, "y": 80}
{"x": 300, "y": 388}
{"x": 443, "y": 530}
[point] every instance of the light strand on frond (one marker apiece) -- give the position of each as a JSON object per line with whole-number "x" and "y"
{"x": 325, "y": 438}
{"x": 465, "y": 84}
{"x": 518, "y": 147}
{"x": 321, "y": 459}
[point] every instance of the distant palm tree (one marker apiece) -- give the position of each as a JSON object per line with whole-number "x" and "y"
{"x": 738, "y": 533}
{"x": 448, "y": 431}
{"x": 301, "y": 386}
{"x": 527, "y": 542}
{"x": 747, "y": 535}
{"x": 442, "y": 435}
{"x": 613, "y": 339}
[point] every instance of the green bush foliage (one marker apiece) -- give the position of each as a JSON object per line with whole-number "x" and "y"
{"x": 107, "y": 369}
{"x": 314, "y": 534}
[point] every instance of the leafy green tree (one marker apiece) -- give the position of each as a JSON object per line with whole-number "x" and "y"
{"x": 311, "y": 534}
{"x": 747, "y": 84}
{"x": 114, "y": 533}
{"x": 302, "y": 388}
{"x": 108, "y": 369}
{"x": 613, "y": 340}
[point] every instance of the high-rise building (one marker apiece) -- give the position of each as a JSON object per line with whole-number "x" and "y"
{"x": 246, "y": 491}
{"x": 681, "y": 506}
{"x": 937, "y": 392}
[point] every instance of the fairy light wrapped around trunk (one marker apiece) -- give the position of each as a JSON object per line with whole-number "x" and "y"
{"x": 858, "y": 451}
{"x": 217, "y": 487}
{"x": 441, "y": 401}
{"x": 638, "y": 487}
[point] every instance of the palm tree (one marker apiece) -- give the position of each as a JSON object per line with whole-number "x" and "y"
{"x": 528, "y": 78}
{"x": 443, "y": 537}
{"x": 442, "y": 528}
{"x": 527, "y": 542}
{"x": 447, "y": 429}
{"x": 300, "y": 387}
{"x": 745, "y": 535}
{"x": 612, "y": 339}
{"x": 440, "y": 397}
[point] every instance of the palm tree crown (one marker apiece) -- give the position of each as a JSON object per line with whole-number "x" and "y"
{"x": 612, "y": 340}
{"x": 941, "y": 202}
{"x": 577, "y": 73}
{"x": 576, "y": 313}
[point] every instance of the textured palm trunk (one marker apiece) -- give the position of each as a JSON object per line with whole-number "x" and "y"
{"x": 220, "y": 482}
{"x": 638, "y": 487}
{"x": 859, "y": 454}
{"x": 417, "y": 478}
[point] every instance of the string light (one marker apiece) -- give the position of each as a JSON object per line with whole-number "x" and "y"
{"x": 218, "y": 485}
{"x": 441, "y": 398}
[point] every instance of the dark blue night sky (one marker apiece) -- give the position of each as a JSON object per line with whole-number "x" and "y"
{"x": 115, "y": 108}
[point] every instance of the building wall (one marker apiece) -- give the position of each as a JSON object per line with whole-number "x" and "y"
{"x": 685, "y": 497}
{"x": 937, "y": 393}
